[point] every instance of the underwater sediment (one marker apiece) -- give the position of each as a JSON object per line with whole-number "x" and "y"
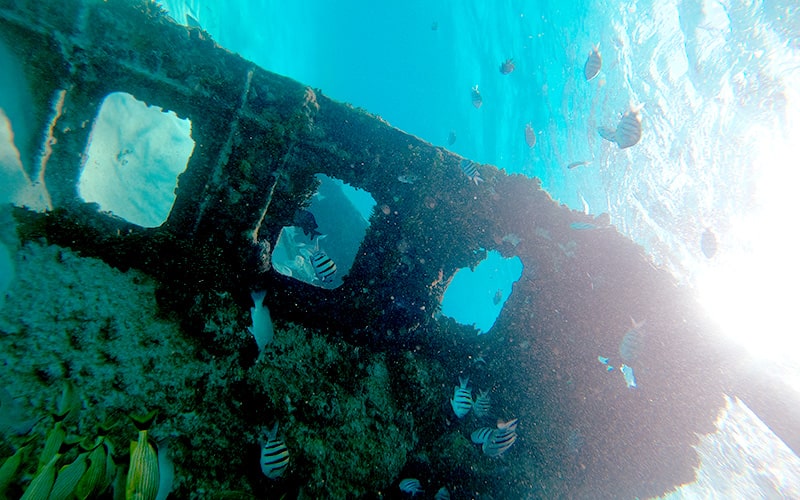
{"x": 358, "y": 378}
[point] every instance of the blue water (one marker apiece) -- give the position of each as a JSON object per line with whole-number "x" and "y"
{"x": 476, "y": 297}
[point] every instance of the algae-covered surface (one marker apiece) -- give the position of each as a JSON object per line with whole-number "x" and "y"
{"x": 73, "y": 319}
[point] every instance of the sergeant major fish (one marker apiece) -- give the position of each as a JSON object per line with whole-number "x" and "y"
{"x": 324, "y": 266}
{"x": 482, "y": 404}
{"x": 477, "y": 100}
{"x": 411, "y": 485}
{"x": 593, "y": 63}
{"x": 481, "y": 435}
{"x": 462, "y": 398}
{"x": 500, "y": 439}
{"x": 629, "y": 129}
{"x": 471, "y": 171}
{"x": 274, "y": 454}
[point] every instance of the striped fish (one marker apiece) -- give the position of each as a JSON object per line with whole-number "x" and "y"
{"x": 477, "y": 100}
{"x": 593, "y": 63}
{"x": 462, "y": 398}
{"x": 274, "y": 454}
{"x": 482, "y": 404}
{"x": 481, "y": 435}
{"x": 629, "y": 130}
{"x": 442, "y": 494}
{"x": 411, "y": 485}
{"x": 471, "y": 171}
{"x": 324, "y": 267}
{"x": 500, "y": 439}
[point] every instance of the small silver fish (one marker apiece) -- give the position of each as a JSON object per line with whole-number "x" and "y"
{"x": 411, "y": 485}
{"x": 408, "y": 178}
{"x": 462, "y": 398}
{"x": 575, "y": 164}
{"x": 471, "y": 171}
{"x": 593, "y": 63}
{"x": 274, "y": 454}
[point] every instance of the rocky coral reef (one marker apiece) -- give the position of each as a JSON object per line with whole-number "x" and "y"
{"x": 335, "y": 404}
{"x": 74, "y": 318}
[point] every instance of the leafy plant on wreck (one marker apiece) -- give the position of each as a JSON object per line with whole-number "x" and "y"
{"x": 337, "y": 411}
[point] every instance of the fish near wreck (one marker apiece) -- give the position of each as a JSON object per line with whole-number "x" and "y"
{"x": 471, "y": 171}
{"x": 324, "y": 266}
{"x": 628, "y": 131}
{"x": 477, "y": 100}
{"x": 305, "y": 220}
{"x": 411, "y": 486}
{"x": 708, "y": 243}
{"x": 593, "y": 63}
{"x": 274, "y": 454}
{"x": 462, "y": 398}
{"x": 495, "y": 442}
{"x": 530, "y": 135}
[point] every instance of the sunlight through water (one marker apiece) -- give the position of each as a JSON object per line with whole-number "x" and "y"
{"x": 751, "y": 289}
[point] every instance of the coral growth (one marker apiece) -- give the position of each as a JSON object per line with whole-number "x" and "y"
{"x": 74, "y": 318}
{"x": 335, "y": 404}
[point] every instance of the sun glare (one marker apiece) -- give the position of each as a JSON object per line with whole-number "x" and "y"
{"x": 751, "y": 287}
